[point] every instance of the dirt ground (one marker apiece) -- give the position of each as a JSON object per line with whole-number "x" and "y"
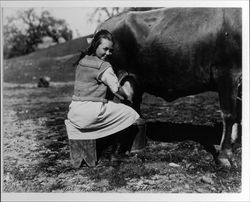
{"x": 178, "y": 157}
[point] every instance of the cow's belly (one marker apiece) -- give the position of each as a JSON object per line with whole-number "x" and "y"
{"x": 174, "y": 75}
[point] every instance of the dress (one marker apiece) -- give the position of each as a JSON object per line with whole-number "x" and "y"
{"x": 88, "y": 120}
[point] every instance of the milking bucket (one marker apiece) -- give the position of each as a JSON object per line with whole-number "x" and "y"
{"x": 139, "y": 142}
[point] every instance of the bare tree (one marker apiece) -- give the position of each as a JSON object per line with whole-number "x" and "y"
{"x": 102, "y": 13}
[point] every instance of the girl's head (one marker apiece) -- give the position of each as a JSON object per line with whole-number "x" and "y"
{"x": 101, "y": 45}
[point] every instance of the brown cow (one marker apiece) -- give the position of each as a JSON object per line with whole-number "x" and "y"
{"x": 177, "y": 52}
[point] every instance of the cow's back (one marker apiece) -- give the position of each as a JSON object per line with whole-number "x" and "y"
{"x": 172, "y": 50}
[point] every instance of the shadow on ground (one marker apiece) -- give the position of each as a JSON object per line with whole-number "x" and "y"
{"x": 56, "y": 140}
{"x": 171, "y": 132}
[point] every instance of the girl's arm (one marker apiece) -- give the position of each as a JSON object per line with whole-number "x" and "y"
{"x": 110, "y": 79}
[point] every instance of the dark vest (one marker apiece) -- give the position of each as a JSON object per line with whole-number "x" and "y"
{"x": 87, "y": 85}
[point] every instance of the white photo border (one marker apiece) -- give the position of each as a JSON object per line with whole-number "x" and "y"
{"x": 243, "y": 196}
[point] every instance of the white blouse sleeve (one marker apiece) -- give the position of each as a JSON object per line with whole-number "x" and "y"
{"x": 110, "y": 79}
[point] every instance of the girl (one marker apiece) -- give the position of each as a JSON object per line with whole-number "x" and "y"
{"x": 91, "y": 116}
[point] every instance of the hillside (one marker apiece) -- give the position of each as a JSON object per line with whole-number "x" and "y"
{"x": 55, "y": 62}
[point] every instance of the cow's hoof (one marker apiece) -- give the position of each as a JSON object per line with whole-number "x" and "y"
{"x": 224, "y": 158}
{"x": 76, "y": 163}
{"x": 135, "y": 151}
{"x": 224, "y": 162}
{"x": 234, "y": 162}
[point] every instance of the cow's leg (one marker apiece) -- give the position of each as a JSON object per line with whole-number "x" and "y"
{"x": 140, "y": 139}
{"x": 131, "y": 85}
{"x": 133, "y": 89}
{"x": 236, "y": 131}
{"x": 227, "y": 94}
{"x": 137, "y": 99}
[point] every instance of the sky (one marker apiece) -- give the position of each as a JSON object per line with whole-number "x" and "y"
{"x": 76, "y": 17}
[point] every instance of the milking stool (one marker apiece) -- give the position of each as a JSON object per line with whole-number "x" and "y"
{"x": 80, "y": 149}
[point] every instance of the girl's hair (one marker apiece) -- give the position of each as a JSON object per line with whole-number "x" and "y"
{"x": 96, "y": 41}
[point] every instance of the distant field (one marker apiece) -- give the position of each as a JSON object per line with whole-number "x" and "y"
{"x": 54, "y": 62}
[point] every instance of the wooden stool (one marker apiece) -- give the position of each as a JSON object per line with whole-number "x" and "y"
{"x": 81, "y": 149}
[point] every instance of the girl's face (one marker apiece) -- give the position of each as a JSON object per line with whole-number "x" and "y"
{"x": 105, "y": 49}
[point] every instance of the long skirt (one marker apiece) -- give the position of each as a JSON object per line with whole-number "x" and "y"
{"x": 92, "y": 120}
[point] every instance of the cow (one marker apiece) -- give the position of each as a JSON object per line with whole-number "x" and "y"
{"x": 176, "y": 52}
